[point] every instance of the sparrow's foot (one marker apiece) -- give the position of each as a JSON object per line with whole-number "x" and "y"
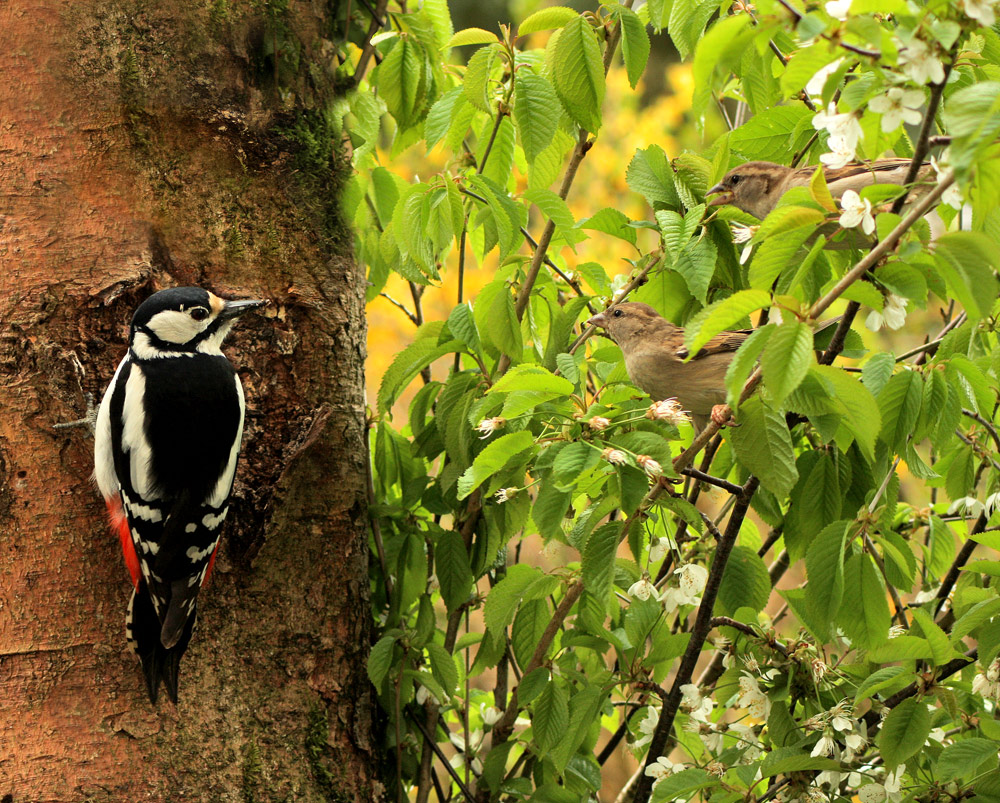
{"x": 89, "y": 419}
{"x": 722, "y": 415}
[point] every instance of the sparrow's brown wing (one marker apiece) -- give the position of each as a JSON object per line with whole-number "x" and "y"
{"x": 720, "y": 344}
{"x": 858, "y": 175}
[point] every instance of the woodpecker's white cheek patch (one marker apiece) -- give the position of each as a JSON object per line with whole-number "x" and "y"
{"x": 174, "y": 326}
{"x": 213, "y": 343}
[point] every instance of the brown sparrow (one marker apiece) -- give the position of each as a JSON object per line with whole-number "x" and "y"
{"x": 756, "y": 187}
{"x": 654, "y": 358}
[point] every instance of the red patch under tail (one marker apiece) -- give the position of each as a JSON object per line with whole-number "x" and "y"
{"x": 119, "y": 525}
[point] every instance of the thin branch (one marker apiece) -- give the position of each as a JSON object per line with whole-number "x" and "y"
{"x": 836, "y": 344}
{"x": 932, "y": 345}
{"x": 988, "y": 425}
{"x": 960, "y": 560}
{"x": 718, "y": 482}
{"x": 429, "y": 739}
{"x": 400, "y": 305}
{"x": 699, "y": 633}
{"x": 368, "y": 50}
{"x": 749, "y": 630}
{"x": 871, "y": 54}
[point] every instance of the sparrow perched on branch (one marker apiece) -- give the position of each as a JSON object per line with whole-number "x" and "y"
{"x": 756, "y": 187}
{"x": 654, "y": 358}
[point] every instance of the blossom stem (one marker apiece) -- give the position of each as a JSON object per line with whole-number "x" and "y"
{"x": 960, "y": 559}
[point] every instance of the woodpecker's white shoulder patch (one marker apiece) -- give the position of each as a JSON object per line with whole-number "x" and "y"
{"x": 225, "y": 484}
{"x": 104, "y": 459}
{"x": 134, "y": 441}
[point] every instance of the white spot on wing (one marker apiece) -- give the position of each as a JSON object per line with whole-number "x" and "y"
{"x": 197, "y": 555}
{"x": 211, "y": 521}
{"x": 190, "y": 528}
{"x": 225, "y": 484}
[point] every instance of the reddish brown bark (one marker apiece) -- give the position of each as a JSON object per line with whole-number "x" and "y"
{"x": 140, "y": 147}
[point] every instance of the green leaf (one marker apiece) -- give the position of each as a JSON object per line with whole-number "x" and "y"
{"x": 443, "y": 667}
{"x": 650, "y": 174}
{"x": 612, "y": 222}
{"x": 776, "y": 253}
{"x": 803, "y": 65}
{"x": 745, "y": 582}
{"x": 904, "y": 731}
{"x": 410, "y": 362}
{"x": 472, "y": 36}
{"x": 901, "y": 648}
{"x": 532, "y": 377}
{"x": 719, "y": 49}
{"x": 399, "y": 79}
{"x": 681, "y": 785}
{"x": 493, "y": 458}
{"x": 529, "y": 624}
{"x": 967, "y": 261}
{"x": 791, "y": 759}
{"x": 462, "y": 325}
{"x": 550, "y": 716}
{"x": 547, "y": 19}
{"x": 380, "y": 659}
{"x": 578, "y": 73}
{"x": 825, "y": 567}
{"x": 878, "y": 680}
{"x": 722, "y": 315}
{"x": 899, "y": 403}
{"x": 769, "y": 134}
{"x": 534, "y": 100}
{"x": 532, "y": 684}
{"x": 505, "y": 596}
{"x": 635, "y": 44}
{"x": 941, "y": 648}
{"x": 859, "y": 410}
{"x": 599, "y": 560}
{"x": 965, "y": 758}
{"x": 451, "y": 564}
{"x": 572, "y": 461}
{"x": 786, "y": 359}
{"x": 764, "y": 447}
{"x": 584, "y": 708}
{"x": 744, "y": 361}
{"x": 696, "y": 264}
{"x": 866, "y": 620}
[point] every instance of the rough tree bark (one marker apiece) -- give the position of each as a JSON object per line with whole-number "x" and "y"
{"x": 144, "y": 145}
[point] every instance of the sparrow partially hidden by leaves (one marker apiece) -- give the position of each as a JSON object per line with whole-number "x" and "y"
{"x": 654, "y": 358}
{"x": 756, "y": 187}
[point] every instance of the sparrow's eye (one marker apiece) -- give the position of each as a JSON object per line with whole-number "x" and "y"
{"x": 617, "y": 313}
{"x": 199, "y": 313}
{"x": 735, "y": 179}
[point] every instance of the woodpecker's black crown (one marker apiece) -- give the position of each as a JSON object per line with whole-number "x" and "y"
{"x": 173, "y": 298}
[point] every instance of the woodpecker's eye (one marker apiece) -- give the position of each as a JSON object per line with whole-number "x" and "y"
{"x": 735, "y": 179}
{"x": 199, "y": 313}
{"x": 617, "y": 313}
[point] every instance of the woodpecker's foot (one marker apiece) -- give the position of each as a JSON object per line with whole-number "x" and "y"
{"x": 722, "y": 415}
{"x": 89, "y": 419}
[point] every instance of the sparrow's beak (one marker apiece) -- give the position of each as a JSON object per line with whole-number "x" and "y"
{"x": 233, "y": 309}
{"x": 598, "y": 320}
{"x": 723, "y": 196}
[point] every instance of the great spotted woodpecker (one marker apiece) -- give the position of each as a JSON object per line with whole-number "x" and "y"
{"x": 167, "y": 441}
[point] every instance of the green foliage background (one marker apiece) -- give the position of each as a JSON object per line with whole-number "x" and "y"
{"x": 876, "y": 675}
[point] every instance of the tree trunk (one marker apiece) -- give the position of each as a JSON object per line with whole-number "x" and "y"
{"x": 146, "y": 145}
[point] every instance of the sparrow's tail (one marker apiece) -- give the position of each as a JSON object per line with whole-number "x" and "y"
{"x": 143, "y": 631}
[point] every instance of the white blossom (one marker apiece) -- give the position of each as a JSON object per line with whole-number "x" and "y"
{"x": 838, "y": 9}
{"x": 988, "y": 683}
{"x": 898, "y": 106}
{"x": 504, "y": 495}
{"x": 646, "y": 727}
{"x": 895, "y": 631}
{"x": 658, "y": 549}
{"x": 818, "y": 669}
{"x": 698, "y": 708}
{"x": 752, "y": 749}
{"x": 953, "y": 195}
{"x": 825, "y": 746}
{"x": 991, "y": 503}
{"x": 752, "y": 698}
{"x": 872, "y": 793}
{"x": 598, "y": 423}
{"x": 662, "y": 768}
{"x": 893, "y": 781}
{"x": 926, "y": 596}
{"x": 490, "y": 715}
{"x": 920, "y": 64}
{"x": 614, "y": 456}
{"x": 643, "y": 589}
{"x": 743, "y": 234}
{"x": 983, "y": 11}
{"x": 490, "y": 425}
{"x": 649, "y": 465}
{"x": 845, "y": 132}
{"x": 816, "y": 83}
{"x": 966, "y": 505}
{"x": 856, "y": 211}
{"x": 691, "y": 582}
{"x": 893, "y": 314}
{"x": 668, "y": 410}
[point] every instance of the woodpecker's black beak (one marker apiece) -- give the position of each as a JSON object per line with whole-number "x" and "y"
{"x": 233, "y": 309}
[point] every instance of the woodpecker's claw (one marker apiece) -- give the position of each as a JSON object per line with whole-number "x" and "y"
{"x": 89, "y": 419}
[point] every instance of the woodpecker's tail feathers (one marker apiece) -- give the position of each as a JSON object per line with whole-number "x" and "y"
{"x": 143, "y": 630}
{"x": 183, "y": 599}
